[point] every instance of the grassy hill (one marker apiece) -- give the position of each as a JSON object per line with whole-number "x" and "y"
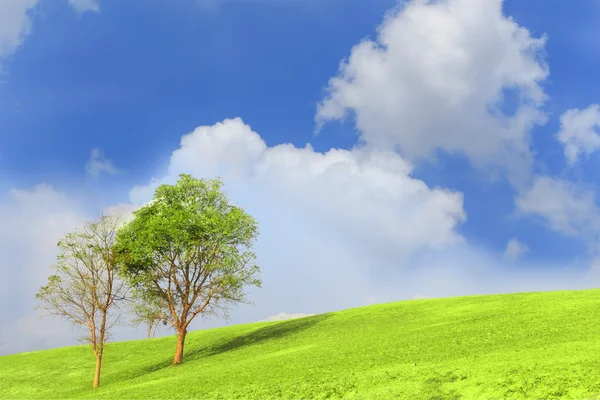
{"x": 526, "y": 345}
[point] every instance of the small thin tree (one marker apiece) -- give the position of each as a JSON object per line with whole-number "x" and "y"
{"x": 85, "y": 288}
{"x": 148, "y": 311}
{"x": 189, "y": 250}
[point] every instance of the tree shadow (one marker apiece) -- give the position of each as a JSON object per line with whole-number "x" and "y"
{"x": 267, "y": 333}
{"x": 148, "y": 369}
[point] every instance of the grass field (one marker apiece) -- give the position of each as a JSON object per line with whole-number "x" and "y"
{"x": 527, "y": 345}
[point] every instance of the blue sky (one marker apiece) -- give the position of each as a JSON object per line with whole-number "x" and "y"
{"x": 145, "y": 74}
{"x": 131, "y": 78}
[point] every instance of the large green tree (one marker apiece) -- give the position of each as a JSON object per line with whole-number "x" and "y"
{"x": 85, "y": 287}
{"x": 190, "y": 250}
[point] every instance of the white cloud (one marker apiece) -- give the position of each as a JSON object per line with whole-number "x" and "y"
{"x": 32, "y": 224}
{"x": 434, "y": 79}
{"x": 82, "y": 6}
{"x": 15, "y": 21}
{"x": 467, "y": 270}
{"x": 515, "y": 249}
{"x": 366, "y": 196}
{"x": 569, "y": 208}
{"x": 98, "y": 164}
{"x": 580, "y": 132}
{"x": 33, "y": 221}
{"x": 122, "y": 211}
{"x": 15, "y": 24}
{"x": 284, "y": 316}
{"x": 326, "y": 220}
{"x": 341, "y": 226}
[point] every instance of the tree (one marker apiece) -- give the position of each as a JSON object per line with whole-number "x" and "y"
{"x": 189, "y": 249}
{"x": 85, "y": 288}
{"x": 149, "y": 311}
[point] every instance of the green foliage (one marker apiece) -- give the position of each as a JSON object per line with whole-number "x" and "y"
{"x": 517, "y": 346}
{"x": 190, "y": 249}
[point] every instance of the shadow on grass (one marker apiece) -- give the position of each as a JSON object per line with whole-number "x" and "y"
{"x": 148, "y": 369}
{"x": 267, "y": 333}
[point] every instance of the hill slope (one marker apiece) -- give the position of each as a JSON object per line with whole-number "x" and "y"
{"x": 527, "y": 345}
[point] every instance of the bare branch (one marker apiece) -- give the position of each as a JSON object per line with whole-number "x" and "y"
{"x": 85, "y": 288}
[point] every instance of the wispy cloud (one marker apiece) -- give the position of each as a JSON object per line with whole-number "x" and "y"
{"x": 98, "y": 164}
{"x": 16, "y": 21}
{"x": 515, "y": 250}
{"x": 82, "y": 6}
{"x": 15, "y": 24}
{"x": 568, "y": 207}
{"x": 580, "y": 132}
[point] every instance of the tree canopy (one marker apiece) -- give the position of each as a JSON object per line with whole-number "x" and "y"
{"x": 190, "y": 250}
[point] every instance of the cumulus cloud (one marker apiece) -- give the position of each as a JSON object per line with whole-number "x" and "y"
{"x": 569, "y": 208}
{"x": 314, "y": 239}
{"x": 436, "y": 77}
{"x": 442, "y": 76}
{"x": 82, "y": 6}
{"x": 580, "y": 132}
{"x": 515, "y": 249}
{"x": 98, "y": 164}
{"x": 15, "y": 24}
{"x": 327, "y": 220}
{"x": 367, "y": 196}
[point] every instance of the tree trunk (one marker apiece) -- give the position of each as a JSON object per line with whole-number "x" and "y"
{"x": 97, "y": 374}
{"x": 154, "y": 331}
{"x": 180, "y": 342}
{"x": 149, "y": 330}
{"x": 99, "y": 349}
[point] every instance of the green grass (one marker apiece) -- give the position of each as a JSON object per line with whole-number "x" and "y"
{"x": 527, "y": 345}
